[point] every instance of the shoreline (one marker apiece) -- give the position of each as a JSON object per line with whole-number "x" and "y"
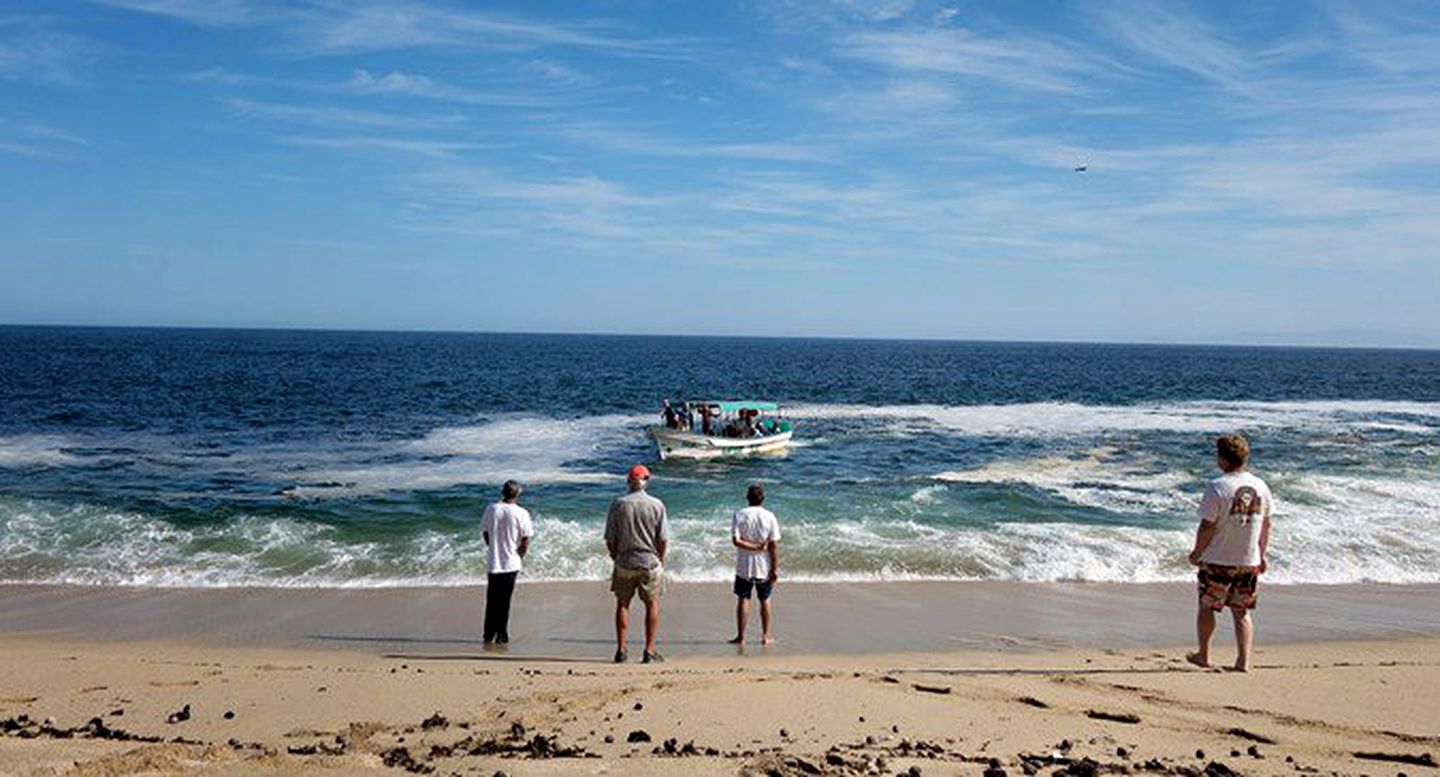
{"x": 574, "y": 618}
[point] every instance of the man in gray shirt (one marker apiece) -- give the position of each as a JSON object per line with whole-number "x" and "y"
{"x": 636, "y": 535}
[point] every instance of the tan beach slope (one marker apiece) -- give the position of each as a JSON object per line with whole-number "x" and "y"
{"x": 78, "y": 704}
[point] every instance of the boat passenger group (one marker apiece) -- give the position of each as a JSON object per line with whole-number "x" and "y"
{"x": 1230, "y": 549}
{"x": 704, "y": 417}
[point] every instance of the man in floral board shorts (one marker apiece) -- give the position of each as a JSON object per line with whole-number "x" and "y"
{"x": 1230, "y": 549}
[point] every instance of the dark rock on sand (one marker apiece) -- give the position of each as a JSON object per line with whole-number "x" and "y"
{"x": 179, "y": 716}
{"x": 638, "y": 735}
{"x": 1252, "y": 736}
{"x": 434, "y": 721}
{"x": 400, "y": 758}
{"x": 1421, "y": 759}
{"x": 229, "y": 714}
{"x": 1116, "y": 717}
{"x": 609, "y": 739}
{"x": 1217, "y": 769}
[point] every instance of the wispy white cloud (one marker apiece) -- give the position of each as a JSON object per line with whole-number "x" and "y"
{"x": 444, "y": 149}
{"x": 1019, "y": 61}
{"x": 210, "y": 13}
{"x": 399, "y": 83}
{"x": 32, "y": 50}
{"x": 333, "y": 116}
{"x": 1396, "y": 41}
{"x": 647, "y": 143}
{"x": 327, "y": 27}
{"x": 25, "y": 137}
{"x": 1160, "y": 33}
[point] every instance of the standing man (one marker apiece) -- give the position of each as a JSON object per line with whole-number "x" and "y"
{"x": 636, "y": 535}
{"x": 756, "y": 535}
{"x": 507, "y": 529}
{"x": 1230, "y": 549}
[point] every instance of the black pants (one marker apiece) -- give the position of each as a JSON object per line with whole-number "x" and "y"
{"x": 498, "y": 591}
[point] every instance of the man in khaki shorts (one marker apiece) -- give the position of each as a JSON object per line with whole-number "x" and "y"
{"x": 636, "y": 536}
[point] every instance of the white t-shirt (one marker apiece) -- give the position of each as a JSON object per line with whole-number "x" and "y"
{"x": 506, "y": 524}
{"x": 754, "y": 524}
{"x": 1238, "y": 504}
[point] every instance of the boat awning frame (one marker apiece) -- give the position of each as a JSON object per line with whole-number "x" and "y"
{"x": 736, "y": 405}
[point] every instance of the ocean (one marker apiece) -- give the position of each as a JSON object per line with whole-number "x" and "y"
{"x": 205, "y": 458}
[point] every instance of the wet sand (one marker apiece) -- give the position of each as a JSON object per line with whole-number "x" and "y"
{"x": 574, "y": 619}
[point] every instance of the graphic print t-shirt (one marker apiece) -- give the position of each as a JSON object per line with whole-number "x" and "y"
{"x": 1238, "y": 504}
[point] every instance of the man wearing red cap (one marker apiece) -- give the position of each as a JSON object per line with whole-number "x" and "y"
{"x": 636, "y": 535}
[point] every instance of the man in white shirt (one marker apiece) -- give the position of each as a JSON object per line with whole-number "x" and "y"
{"x": 1230, "y": 549}
{"x": 507, "y": 529}
{"x": 756, "y": 535}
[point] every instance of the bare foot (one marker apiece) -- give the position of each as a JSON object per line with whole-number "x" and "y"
{"x": 735, "y": 640}
{"x": 767, "y": 640}
{"x": 1238, "y": 668}
{"x": 1196, "y": 659}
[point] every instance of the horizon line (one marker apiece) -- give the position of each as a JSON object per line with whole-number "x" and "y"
{"x": 702, "y": 335}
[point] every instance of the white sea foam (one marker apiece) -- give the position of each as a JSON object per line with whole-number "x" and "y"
{"x": 1357, "y": 529}
{"x": 928, "y": 495}
{"x": 531, "y": 449}
{"x": 1100, "y": 479}
{"x": 1059, "y": 419}
{"x": 35, "y": 450}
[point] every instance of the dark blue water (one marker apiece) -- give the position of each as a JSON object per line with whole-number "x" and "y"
{"x": 208, "y": 457}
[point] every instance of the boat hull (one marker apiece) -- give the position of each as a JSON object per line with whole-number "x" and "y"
{"x": 681, "y": 444}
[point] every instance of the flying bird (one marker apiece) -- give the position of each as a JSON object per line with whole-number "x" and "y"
{"x": 1082, "y": 168}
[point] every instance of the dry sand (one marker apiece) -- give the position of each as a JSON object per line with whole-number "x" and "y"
{"x": 1046, "y": 701}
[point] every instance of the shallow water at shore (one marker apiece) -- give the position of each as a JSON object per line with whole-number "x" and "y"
{"x": 213, "y": 458}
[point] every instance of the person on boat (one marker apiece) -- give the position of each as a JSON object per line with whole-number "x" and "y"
{"x": 1231, "y": 543}
{"x": 636, "y": 536}
{"x": 672, "y": 421}
{"x": 507, "y": 529}
{"x": 707, "y": 420}
{"x": 756, "y": 534}
{"x": 747, "y": 422}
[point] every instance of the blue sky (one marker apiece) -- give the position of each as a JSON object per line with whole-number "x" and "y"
{"x": 1258, "y": 172}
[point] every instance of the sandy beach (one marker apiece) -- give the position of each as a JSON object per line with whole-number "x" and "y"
{"x": 1025, "y": 678}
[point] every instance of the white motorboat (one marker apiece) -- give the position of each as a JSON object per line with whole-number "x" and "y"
{"x": 720, "y": 428}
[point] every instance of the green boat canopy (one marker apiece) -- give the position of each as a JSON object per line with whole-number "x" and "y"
{"x": 736, "y": 405}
